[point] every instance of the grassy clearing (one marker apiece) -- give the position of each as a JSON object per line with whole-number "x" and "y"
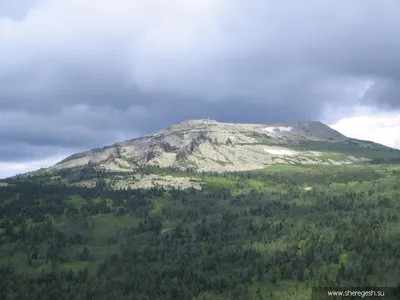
{"x": 156, "y": 203}
{"x": 102, "y": 252}
{"x": 219, "y": 182}
{"x": 76, "y": 266}
{"x": 107, "y": 225}
{"x": 77, "y": 201}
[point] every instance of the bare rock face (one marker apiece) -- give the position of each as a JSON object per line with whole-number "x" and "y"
{"x": 167, "y": 147}
{"x": 149, "y": 156}
{"x": 195, "y": 143}
{"x": 111, "y": 159}
{"x": 182, "y": 155}
{"x": 185, "y": 152}
{"x": 117, "y": 152}
{"x": 208, "y": 145}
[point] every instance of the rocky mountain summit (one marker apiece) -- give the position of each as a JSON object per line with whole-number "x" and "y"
{"x": 208, "y": 145}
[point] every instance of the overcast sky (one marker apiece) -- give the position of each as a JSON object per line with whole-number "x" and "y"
{"x": 76, "y": 75}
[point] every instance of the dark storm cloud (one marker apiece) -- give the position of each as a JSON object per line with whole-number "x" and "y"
{"x": 26, "y": 152}
{"x": 76, "y": 76}
{"x": 385, "y": 93}
{"x": 74, "y": 129}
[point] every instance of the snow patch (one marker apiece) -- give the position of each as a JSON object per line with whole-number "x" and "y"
{"x": 279, "y": 129}
{"x": 269, "y": 129}
{"x": 280, "y": 152}
{"x": 286, "y": 129}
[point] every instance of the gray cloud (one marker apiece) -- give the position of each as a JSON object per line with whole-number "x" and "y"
{"x": 15, "y": 9}
{"x": 384, "y": 93}
{"x": 75, "y": 76}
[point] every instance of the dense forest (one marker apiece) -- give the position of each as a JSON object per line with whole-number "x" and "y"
{"x": 254, "y": 235}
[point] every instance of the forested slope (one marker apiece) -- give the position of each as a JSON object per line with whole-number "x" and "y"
{"x": 269, "y": 234}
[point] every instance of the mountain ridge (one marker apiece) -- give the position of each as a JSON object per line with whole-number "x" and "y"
{"x": 209, "y": 145}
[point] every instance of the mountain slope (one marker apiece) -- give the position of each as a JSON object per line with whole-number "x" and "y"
{"x": 207, "y": 145}
{"x": 270, "y": 234}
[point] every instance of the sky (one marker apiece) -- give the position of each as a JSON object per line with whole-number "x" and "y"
{"x": 77, "y": 75}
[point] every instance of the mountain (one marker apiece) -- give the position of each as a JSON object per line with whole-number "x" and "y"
{"x": 208, "y": 145}
{"x": 83, "y": 233}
